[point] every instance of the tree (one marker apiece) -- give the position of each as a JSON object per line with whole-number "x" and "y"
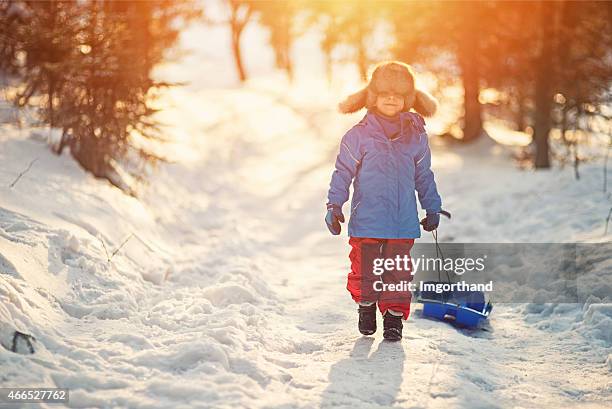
{"x": 555, "y": 59}
{"x": 346, "y": 23}
{"x": 43, "y": 58}
{"x": 584, "y": 75}
{"x": 425, "y": 30}
{"x": 240, "y": 14}
{"x": 278, "y": 16}
{"x": 544, "y": 82}
{"x": 93, "y": 59}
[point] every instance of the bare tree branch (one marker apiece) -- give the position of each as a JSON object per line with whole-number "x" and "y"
{"x": 105, "y": 249}
{"x": 22, "y": 173}
{"x": 122, "y": 244}
{"x": 109, "y": 257}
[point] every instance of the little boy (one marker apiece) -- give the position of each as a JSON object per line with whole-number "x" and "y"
{"x": 386, "y": 156}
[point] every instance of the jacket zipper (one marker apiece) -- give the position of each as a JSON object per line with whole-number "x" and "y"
{"x": 398, "y": 180}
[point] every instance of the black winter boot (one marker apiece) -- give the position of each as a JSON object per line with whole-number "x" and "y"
{"x": 367, "y": 319}
{"x": 392, "y": 327}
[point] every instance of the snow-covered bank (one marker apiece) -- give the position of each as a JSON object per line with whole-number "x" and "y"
{"x": 183, "y": 311}
{"x": 231, "y": 292}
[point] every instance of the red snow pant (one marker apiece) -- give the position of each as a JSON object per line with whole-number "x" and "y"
{"x": 362, "y": 278}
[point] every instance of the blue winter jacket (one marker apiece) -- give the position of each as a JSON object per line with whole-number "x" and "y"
{"x": 385, "y": 174}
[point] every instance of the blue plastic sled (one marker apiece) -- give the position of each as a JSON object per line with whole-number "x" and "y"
{"x": 465, "y": 308}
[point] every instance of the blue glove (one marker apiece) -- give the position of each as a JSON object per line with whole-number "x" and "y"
{"x": 333, "y": 218}
{"x": 431, "y": 222}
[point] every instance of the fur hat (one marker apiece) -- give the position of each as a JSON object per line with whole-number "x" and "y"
{"x": 388, "y": 76}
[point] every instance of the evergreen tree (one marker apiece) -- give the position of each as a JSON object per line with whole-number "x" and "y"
{"x": 92, "y": 61}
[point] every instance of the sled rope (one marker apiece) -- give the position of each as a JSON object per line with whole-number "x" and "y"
{"x": 439, "y": 254}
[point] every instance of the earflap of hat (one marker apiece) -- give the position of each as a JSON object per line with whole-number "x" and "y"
{"x": 354, "y": 102}
{"x": 409, "y": 101}
{"x": 371, "y": 99}
{"x": 424, "y": 103}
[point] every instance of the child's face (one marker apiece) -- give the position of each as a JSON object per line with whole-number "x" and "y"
{"x": 389, "y": 103}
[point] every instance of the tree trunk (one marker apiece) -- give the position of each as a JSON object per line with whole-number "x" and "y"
{"x": 51, "y": 95}
{"x": 289, "y": 70}
{"x": 362, "y": 29}
{"x": 543, "y": 87}
{"x": 237, "y": 55}
{"x": 520, "y": 110}
{"x": 283, "y": 54}
{"x": 468, "y": 61}
{"x": 328, "y": 66}
{"x": 362, "y": 59}
{"x": 239, "y": 17}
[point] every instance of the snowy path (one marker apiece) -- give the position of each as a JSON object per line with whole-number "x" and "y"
{"x": 510, "y": 365}
{"x": 233, "y": 294}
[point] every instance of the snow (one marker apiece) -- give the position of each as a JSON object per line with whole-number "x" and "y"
{"x": 230, "y": 292}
